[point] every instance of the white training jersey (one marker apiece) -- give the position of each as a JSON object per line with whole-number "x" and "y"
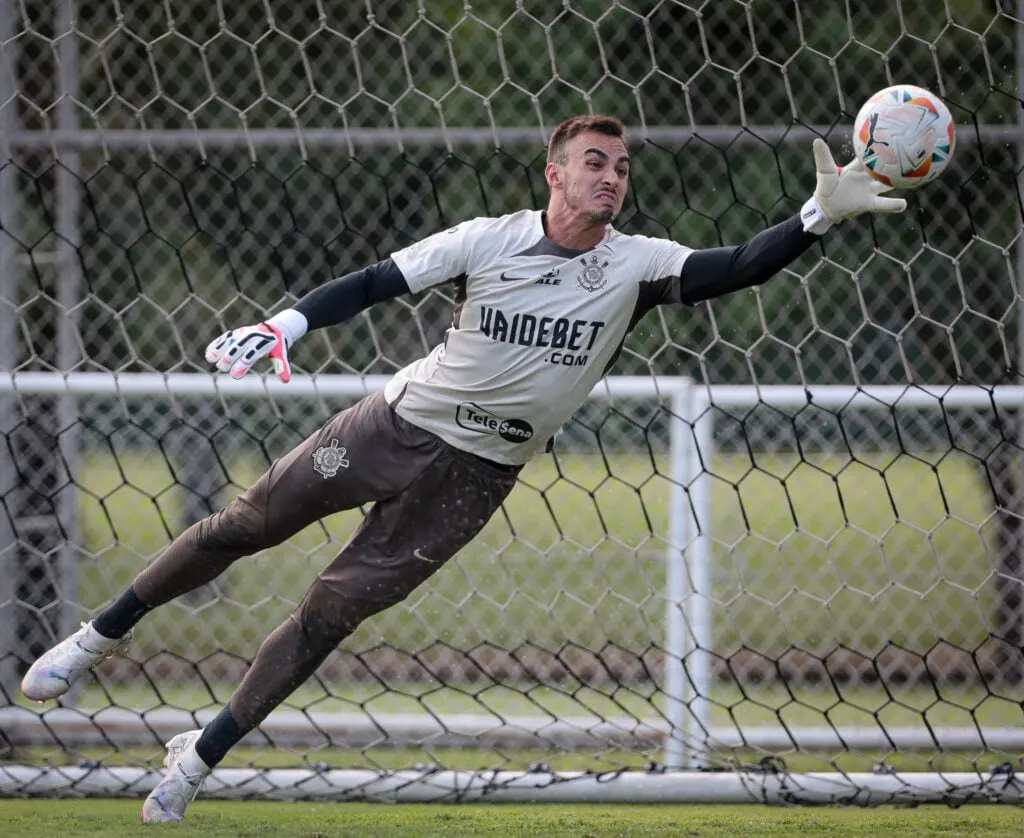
{"x": 536, "y": 326}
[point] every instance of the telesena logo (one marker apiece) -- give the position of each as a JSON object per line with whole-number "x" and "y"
{"x": 472, "y": 417}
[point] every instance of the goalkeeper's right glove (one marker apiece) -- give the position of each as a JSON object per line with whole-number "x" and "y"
{"x": 843, "y": 193}
{"x": 236, "y": 351}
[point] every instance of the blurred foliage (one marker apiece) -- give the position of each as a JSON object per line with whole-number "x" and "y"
{"x": 177, "y": 242}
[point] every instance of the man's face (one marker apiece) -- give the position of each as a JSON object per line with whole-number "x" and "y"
{"x": 595, "y": 176}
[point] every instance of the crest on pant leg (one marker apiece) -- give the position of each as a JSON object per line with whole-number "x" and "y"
{"x": 328, "y": 459}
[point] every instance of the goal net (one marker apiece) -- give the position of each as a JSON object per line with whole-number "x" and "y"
{"x": 775, "y": 557}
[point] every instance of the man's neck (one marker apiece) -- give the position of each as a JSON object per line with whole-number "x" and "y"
{"x": 572, "y": 232}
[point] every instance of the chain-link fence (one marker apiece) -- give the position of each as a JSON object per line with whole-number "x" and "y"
{"x": 172, "y": 170}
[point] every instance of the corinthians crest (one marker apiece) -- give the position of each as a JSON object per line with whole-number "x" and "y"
{"x": 592, "y": 277}
{"x": 328, "y": 459}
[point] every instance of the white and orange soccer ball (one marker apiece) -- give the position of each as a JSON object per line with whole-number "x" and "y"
{"x": 905, "y": 136}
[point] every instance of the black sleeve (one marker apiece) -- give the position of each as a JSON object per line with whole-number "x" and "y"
{"x": 721, "y": 270}
{"x": 346, "y": 296}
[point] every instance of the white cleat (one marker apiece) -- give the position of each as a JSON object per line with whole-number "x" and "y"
{"x": 56, "y": 670}
{"x": 181, "y": 783}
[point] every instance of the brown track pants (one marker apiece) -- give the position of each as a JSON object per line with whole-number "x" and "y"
{"x": 429, "y": 500}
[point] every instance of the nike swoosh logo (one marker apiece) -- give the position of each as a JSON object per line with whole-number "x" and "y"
{"x": 546, "y": 275}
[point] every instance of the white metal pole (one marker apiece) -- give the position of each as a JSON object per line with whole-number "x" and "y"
{"x": 1014, "y": 629}
{"x": 448, "y": 786}
{"x": 677, "y": 691}
{"x": 69, "y": 294}
{"x": 447, "y": 137}
{"x": 145, "y": 384}
{"x": 9, "y": 300}
{"x": 699, "y": 562}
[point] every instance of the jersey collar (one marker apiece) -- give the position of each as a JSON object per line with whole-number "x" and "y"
{"x": 545, "y": 247}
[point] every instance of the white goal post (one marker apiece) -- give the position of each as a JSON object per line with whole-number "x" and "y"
{"x": 683, "y": 739}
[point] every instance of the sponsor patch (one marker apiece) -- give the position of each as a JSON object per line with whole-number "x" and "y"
{"x": 472, "y": 417}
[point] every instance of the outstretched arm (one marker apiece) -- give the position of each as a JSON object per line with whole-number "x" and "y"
{"x": 342, "y": 298}
{"x": 236, "y": 351}
{"x": 715, "y": 271}
{"x": 838, "y": 195}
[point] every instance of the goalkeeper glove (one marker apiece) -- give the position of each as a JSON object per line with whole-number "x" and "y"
{"x": 843, "y": 193}
{"x": 236, "y": 351}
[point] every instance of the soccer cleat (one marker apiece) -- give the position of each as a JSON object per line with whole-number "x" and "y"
{"x": 56, "y": 670}
{"x": 181, "y": 783}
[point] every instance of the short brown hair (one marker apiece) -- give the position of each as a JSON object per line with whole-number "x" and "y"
{"x": 577, "y": 125}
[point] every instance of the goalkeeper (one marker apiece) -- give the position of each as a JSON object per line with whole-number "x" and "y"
{"x": 543, "y": 303}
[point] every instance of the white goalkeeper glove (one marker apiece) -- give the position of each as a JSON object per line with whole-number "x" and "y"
{"x": 236, "y": 352}
{"x": 843, "y": 193}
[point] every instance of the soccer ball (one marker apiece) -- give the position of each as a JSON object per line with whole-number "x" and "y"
{"x": 905, "y": 136}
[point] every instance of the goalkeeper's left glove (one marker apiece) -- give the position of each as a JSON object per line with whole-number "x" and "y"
{"x": 843, "y": 193}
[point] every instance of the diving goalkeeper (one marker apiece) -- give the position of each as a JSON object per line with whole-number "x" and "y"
{"x": 543, "y": 303}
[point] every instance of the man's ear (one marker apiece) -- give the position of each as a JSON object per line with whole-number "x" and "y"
{"x": 553, "y": 175}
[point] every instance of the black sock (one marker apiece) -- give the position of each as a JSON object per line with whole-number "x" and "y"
{"x": 117, "y": 620}
{"x": 219, "y": 737}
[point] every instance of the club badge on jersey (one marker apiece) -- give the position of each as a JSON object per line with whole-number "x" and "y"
{"x": 592, "y": 278}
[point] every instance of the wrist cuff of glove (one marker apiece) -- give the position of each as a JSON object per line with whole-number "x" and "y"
{"x": 292, "y": 323}
{"x": 814, "y": 218}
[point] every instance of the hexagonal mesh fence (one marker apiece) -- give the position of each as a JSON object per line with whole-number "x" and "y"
{"x": 781, "y": 546}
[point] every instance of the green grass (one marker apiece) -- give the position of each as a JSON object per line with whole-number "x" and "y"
{"x": 116, "y": 819}
{"x": 806, "y": 555}
{"x": 809, "y": 553}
